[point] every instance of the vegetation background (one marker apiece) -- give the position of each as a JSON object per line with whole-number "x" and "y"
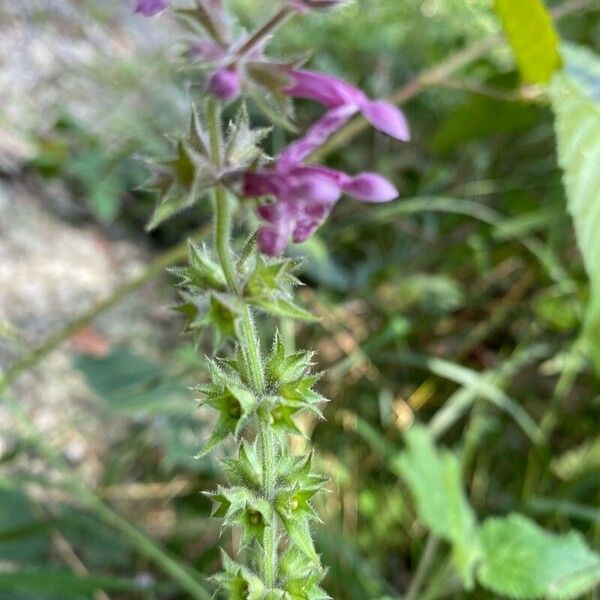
{"x": 457, "y": 305}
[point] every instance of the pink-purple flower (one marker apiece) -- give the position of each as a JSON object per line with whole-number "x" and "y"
{"x": 150, "y": 7}
{"x": 333, "y": 92}
{"x": 304, "y": 198}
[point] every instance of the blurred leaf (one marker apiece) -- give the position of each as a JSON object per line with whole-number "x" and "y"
{"x": 572, "y": 510}
{"x": 320, "y": 264}
{"x": 433, "y": 294}
{"x": 576, "y": 104}
{"x": 558, "y": 309}
{"x": 574, "y": 463}
{"x": 45, "y": 582}
{"x": 521, "y": 560}
{"x": 433, "y": 477}
{"x": 22, "y": 536}
{"x": 532, "y": 36}
{"x": 131, "y": 383}
{"x": 479, "y": 382}
{"x": 481, "y": 117}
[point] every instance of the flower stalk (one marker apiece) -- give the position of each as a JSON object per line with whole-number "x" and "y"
{"x": 263, "y": 32}
{"x": 258, "y": 395}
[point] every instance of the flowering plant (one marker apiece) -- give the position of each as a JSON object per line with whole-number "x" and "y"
{"x": 257, "y": 396}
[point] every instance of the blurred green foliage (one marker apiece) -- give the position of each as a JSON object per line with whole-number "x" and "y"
{"x": 458, "y": 306}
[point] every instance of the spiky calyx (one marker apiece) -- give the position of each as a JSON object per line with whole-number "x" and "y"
{"x": 269, "y": 491}
{"x": 208, "y": 304}
{"x": 242, "y": 409}
{"x": 190, "y": 173}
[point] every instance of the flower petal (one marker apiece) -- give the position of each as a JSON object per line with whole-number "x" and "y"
{"x": 314, "y": 188}
{"x": 387, "y": 118}
{"x": 262, "y": 184}
{"x": 150, "y": 7}
{"x": 311, "y": 217}
{"x": 316, "y": 136}
{"x": 371, "y": 187}
{"x": 272, "y": 240}
{"x": 326, "y": 89}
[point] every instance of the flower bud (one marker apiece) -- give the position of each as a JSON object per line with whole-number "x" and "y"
{"x": 150, "y": 7}
{"x": 225, "y": 84}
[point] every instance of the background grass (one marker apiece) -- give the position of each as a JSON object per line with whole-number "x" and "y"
{"x": 457, "y": 306}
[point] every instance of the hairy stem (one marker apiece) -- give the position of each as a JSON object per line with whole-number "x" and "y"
{"x": 250, "y": 344}
{"x": 222, "y": 235}
{"x": 267, "y": 445}
{"x": 265, "y": 30}
{"x": 222, "y": 226}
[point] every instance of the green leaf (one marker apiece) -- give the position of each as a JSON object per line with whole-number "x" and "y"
{"x": 168, "y": 207}
{"x": 576, "y": 104}
{"x": 578, "y": 461}
{"x": 282, "y": 307}
{"x": 521, "y": 560}
{"x": 68, "y": 585}
{"x": 433, "y": 477}
{"x": 299, "y": 531}
{"x": 480, "y": 117}
{"x": 132, "y": 384}
{"x": 180, "y": 181}
{"x": 530, "y": 31}
{"x": 23, "y": 538}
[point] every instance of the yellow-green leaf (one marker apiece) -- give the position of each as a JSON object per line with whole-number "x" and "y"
{"x": 532, "y": 36}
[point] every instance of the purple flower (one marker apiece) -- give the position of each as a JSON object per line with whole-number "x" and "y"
{"x": 333, "y": 92}
{"x": 325, "y": 89}
{"x": 304, "y": 198}
{"x": 150, "y": 7}
{"x": 225, "y": 84}
{"x": 328, "y": 124}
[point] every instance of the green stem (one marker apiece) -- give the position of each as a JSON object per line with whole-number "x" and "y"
{"x": 222, "y": 230}
{"x": 250, "y": 345}
{"x": 267, "y": 445}
{"x": 424, "y": 565}
{"x": 222, "y": 235}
